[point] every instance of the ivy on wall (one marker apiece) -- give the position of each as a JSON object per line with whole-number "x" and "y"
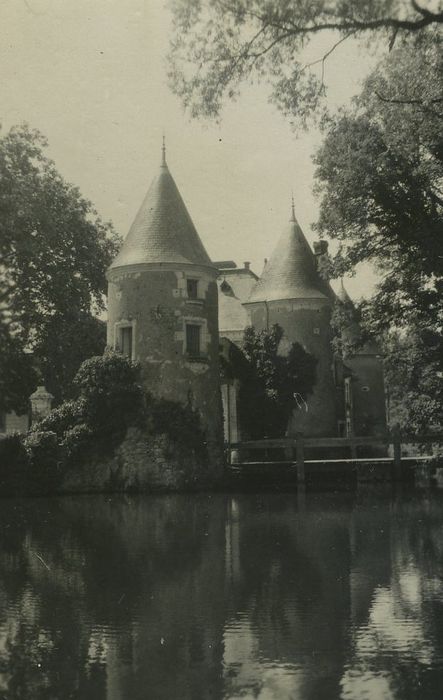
{"x": 272, "y": 383}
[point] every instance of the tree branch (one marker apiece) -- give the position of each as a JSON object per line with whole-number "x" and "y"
{"x": 409, "y": 101}
{"x": 291, "y": 27}
{"x": 322, "y": 60}
{"x": 421, "y": 10}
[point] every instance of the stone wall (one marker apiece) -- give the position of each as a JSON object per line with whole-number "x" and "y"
{"x": 14, "y": 423}
{"x": 142, "y": 463}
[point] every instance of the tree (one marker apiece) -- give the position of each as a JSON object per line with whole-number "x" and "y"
{"x": 219, "y": 44}
{"x": 54, "y": 251}
{"x": 413, "y": 373}
{"x": 380, "y": 174}
{"x": 17, "y": 374}
{"x": 272, "y": 382}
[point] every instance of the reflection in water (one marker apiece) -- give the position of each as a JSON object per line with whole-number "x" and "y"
{"x": 199, "y": 597}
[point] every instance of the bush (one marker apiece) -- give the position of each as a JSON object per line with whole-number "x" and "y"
{"x": 112, "y": 394}
{"x": 63, "y": 418}
{"x": 180, "y": 423}
{"x": 42, "y": 446}
{"x": 14, "y": 462}
{"x": 78, "y": 442}
{"x": 44, "y": 469}
{"x": 272, "y": 381}
{"x": 92, "y": 425}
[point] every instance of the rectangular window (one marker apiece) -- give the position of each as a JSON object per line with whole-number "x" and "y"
{"x": 192, "y": 288}
{"x": 126, "y": 341}
{"x": 2, "y": 422}
{"x": 193, "y": 339}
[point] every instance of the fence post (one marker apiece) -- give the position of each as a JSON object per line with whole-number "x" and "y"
{"x": 353, "y": 446}
{"x": 289, "y": 451}
{"x": 300, "y": 456}
{"x": 396, "y": 441}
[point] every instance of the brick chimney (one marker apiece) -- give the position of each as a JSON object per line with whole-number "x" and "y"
{"x": 320, "y": 247}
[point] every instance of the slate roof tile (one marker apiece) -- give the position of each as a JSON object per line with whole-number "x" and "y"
{"x": 291, "y": 271}
{"x": 162, "y": 231}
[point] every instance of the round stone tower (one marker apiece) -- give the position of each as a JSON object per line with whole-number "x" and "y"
{"x": 163, "y": 307}
{"x": 292, "y": 293}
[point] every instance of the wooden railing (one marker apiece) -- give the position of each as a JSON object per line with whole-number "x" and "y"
{"x": 299, "y": 443}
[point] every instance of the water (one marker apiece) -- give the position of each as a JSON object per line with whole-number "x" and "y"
{"x": 246, "y": 596}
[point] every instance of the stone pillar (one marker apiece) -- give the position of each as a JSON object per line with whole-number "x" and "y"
{"x": 41, "y": 403}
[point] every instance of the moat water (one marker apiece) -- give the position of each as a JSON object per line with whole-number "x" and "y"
{"x": 285, "y": 597}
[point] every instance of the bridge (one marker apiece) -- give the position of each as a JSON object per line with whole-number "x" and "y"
{"x": 350, "y": 449}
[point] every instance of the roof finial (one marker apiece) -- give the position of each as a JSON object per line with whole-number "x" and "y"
{"x": 292, "y": 209}
{"x": 163, "y": 150}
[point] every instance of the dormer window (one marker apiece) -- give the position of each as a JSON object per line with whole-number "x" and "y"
{"x": 192, "y": 288}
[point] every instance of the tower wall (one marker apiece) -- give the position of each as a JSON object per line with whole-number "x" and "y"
{"x": 306, "y": 321}
{"x": 154, "y": 302}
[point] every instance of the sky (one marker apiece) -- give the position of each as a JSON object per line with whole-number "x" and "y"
{"x": 92, "y": 77}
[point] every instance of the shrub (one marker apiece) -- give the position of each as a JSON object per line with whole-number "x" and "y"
{"x": 78, "y": 442}
{"x": 14, "y": 462}
{"x": 271, "y": 381}
{"x": 92, "y": 425}
{"x": 180, "y": 423}
{"x": 44, "y": 472}
{"x": 62, "y": 418}
{"x": 42, "y": 446}
{"x": 113, "y": 397}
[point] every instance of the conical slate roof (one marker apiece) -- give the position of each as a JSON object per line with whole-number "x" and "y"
{"x": 291, "y": 271}
{"x": 162, "y": 231}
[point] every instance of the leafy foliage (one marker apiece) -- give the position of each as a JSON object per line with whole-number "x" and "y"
{"x": 414, "y": 371}
{"x": 62, "y": 418}
{"x": 379, "y": 173}
{"x": 44, "y": 472}
{"x": 78, "y": 336}
{"x": 30, "y": 464}
{"x": 349, "y": 331}
{"x": 54, "y": 251}
{"x": 219, "y": 44}
{"x": 112, "y": 395}
{"x": 18, "y": 377}
{"x": 180, "y": 423}
{"x": 270, "y": 382}
{"x": 77, "y": 442}
{"x": 111, "y": 399}
{"x": 14, "y": 463}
